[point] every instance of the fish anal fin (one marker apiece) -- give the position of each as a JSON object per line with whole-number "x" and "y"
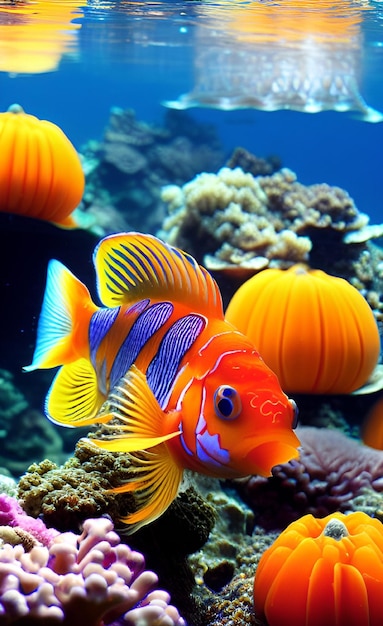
{"x": 74, "y": 398}
{"x": 133, "y": 266}
{"x": 155, "y": 483}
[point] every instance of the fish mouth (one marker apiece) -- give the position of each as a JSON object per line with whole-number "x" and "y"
{"x": 276, "y": 448}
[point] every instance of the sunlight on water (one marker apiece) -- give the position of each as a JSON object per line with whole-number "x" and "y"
{"x": 299, "y": 54}
{"x": 305, "y": 55}
{"x": 35, "y": 35}
{"x": 72, "y": 61}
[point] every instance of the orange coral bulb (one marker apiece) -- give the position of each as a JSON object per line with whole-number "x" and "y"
{"x": 40, "y": 171}
{"x": 315, "y": 331}
{"x": 323, "y": 572}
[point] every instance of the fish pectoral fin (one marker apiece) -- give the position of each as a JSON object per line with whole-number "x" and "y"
{"x": 74, "y": 398}
{"x": 66, "y": 304}
{"x": 133, "y": 266}
{"x": 140, "y": 417}
{"x": 155, "y": 484}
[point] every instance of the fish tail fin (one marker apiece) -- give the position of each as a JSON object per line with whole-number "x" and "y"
{"x": 62, "y": 331}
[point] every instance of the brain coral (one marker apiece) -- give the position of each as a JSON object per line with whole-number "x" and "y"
{"x": 89, "y": 579}
{"x": 238, "y": 219}
{"x": 331, "y": 472}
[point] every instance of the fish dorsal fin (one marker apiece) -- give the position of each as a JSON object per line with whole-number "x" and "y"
{"x": 133, "y": 266}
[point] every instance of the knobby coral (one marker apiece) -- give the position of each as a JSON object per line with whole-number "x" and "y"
{"x": 91, "y": 578}
{"x": 237, "y": 219}
{"x": 331, "y": 472}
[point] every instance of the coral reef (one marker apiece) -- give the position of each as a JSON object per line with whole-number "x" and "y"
{"x": 220, "y": 557}
{"x": 65, "y": 496}
{"x": 8, "y": 485}
{"x": 235, "y": 220}
{"x": 249, "y": 162}
{"x": 234, "y": 605}
{"x": 332, "y": 471}
{"x": 126, "y": 170}
{"x": 26, "y": 435}
{"x": 13, "y": 516}
{"x": 91, "y": 577}
{"x": 224, "y": 567}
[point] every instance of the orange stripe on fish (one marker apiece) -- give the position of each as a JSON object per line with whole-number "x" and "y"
{"x": 185, "y": 388}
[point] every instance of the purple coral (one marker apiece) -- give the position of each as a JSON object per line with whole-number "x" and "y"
{"x": 332, "y": 470}
{"x": 11, "y": 514}
{"x": 90, "y": 579}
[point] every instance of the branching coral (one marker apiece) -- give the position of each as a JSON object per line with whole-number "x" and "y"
{"x": 332, "y": 470}
{"x": 236, "y": 219}
{"x": 91, "y": 578}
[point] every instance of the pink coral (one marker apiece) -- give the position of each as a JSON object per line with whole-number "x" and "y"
{"x": 332, "y": 470}
{"x": 90, "y": 579}
{"x": 11, "y": 514}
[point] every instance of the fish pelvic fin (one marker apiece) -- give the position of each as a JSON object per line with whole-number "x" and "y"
{"x": 74, "y": 398}
{"x": 62, "y": 330}
{"x": 134, "y": 266}
{"x": 156, "y": 476}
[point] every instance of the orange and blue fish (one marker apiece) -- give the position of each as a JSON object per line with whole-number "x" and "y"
{"x": 184, "y": 388}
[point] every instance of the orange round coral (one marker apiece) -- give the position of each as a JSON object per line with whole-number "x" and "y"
{"x": 40, "y": 171}
{"x": 315, "y": 331}
{"x": 323, "y": 572}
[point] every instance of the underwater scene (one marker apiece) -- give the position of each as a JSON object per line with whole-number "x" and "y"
{"x": 191, "y": 280}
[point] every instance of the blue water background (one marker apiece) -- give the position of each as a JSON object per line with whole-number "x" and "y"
{"x": 116, "y": 66}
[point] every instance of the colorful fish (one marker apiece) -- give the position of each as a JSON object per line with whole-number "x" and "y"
{"x": 187, "y": 390}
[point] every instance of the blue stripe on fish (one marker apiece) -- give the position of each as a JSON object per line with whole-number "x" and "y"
{"x": 147, "y": 323}
{"x": 176, "y": 342}
{"x": 100, "y": 323}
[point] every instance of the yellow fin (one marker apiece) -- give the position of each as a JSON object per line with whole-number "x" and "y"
{"x": 140, "y": 416}
{"x": 155, "y": 485}
{"x": 133, "y": 266}
{"x": 74, "y": 398}
{"x": 156, "y": 476}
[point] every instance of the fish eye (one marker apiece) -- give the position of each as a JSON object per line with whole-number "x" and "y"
{"x": 295, "y": 413}
{"x": 227, "y": 402}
